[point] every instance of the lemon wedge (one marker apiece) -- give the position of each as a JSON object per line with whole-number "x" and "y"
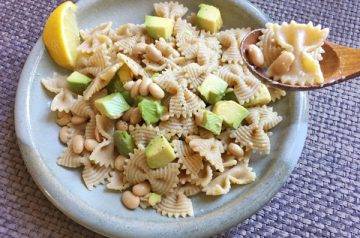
{"x": 61, "y": 35}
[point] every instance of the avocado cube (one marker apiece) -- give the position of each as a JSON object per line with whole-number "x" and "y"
{"x": 212, "y": 122}
{"x": 159, "y": 153}
{"x": 209, "y": 18}
{"x": 230, "y": 95}
{"x": 125, "y": 74}
{"x": 124, "y": 142}
{"x": 232, "y": 113}
{"x": 263, "y": 97}
{"x": 78, "y": 82}
{"x": 154, "y": 199}
{"x": 212, "y": 88}
{"x": 158, "y": 27}
{"x": 116, "y": 86}
{"x": 112, "y": 105}
{"x": 150, "y": 110}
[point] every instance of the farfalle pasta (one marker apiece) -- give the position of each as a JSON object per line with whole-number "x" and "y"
{"x": 292, "y": 51}
{"x": 147, "y": 112}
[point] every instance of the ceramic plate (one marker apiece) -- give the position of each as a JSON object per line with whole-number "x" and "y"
{"x": 101, "y": 210}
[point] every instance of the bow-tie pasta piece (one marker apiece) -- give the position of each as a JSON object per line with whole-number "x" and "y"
{"x": 195, "y": 74}
{"x": 103, "y": 154}
{"x": 101, "y": 81}
{"x": 263, "y": 116}
{"x": 117, "y": 181}
{"x": 189, "y": 189}
{"x": 299, "y": 37}
{"x": 63, "y": 101}
{"x": 172, "y": 10}
{"x": 163, "y": 180}
{"x": 252, "y": 137}
{"x": 94, "y": 175}
{"x": 127, "y": 36}
{"x": 95, "y": 62}
{"x": 142, "y": 135}
{"x": 276, "y": 93}
{"x": 240, "y": 174}
{"x": 136, "y": 169}
{"x": 105, "y": 126}
{"x": 82, "y": 108}
{"x": 70, "y": 159}
{"x": 176, "y": 205}
{"x": 302, "y": 46}
{"x": 178, "y": 126}
{"x": 55, "y": 83}
{"x": 211, "y": 149}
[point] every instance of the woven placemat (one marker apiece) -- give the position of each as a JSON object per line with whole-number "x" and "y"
{"x": 321, "y": 197}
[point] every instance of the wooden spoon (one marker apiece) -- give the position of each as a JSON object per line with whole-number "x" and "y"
{"x": 339, "y": 64}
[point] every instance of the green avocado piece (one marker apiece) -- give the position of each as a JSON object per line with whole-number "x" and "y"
{"x": 158, "y": 27}
{"x": 151, "y": 110}
{"x": 159, "y": 153}
{"x": 124, "y": 142}
{"x": 212, "y": 88}
{"x": 154, "y": 199}
{"x": 212, "y": 122}
{"x": 230, "y": 95}
{"x": 261, "y": 98}
{"x": 78, "y": 82}
{"x": 209, "y": 18}
{"x": 116, "y": 86}
{"x": 232, "y": 113}
{"x": 112, "y": 105}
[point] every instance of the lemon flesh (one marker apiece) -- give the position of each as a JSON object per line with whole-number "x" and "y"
{"x": 61, "y": 35}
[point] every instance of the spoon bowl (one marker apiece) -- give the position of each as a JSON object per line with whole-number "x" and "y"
{"x": 339, "y": 64}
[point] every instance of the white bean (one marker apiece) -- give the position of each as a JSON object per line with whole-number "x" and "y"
{"x": 90, "y": 144}
{"x": 282, "y": 64}
{"x": 128, "y": 86}
{"x": 156, "y": 91}
{"x": 63, "y": 134}
{"x": 130, "y": 200}
{"x": 141, "y": 189}
{"x": 256, "y": 56}
{"x": 135, "y": 89}
{"x": 235, "y": 149}
{"x": 144, "y": 86}
{"x": 78, "y": 144}
{"x": 165, "y": 117}
{"x": 120, "y": 162}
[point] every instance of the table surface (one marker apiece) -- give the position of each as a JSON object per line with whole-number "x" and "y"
{"x": 320, "y": 199}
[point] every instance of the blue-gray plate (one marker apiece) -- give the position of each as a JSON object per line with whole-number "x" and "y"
{"x": 101, "y": 210}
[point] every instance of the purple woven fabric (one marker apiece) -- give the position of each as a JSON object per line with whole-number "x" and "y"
{"x": 321, "y": 197}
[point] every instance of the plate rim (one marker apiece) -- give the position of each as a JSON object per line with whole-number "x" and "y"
{"x": 102, "y": 223}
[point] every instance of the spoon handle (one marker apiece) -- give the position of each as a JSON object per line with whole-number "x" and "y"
{"x": 349, "y": 60}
